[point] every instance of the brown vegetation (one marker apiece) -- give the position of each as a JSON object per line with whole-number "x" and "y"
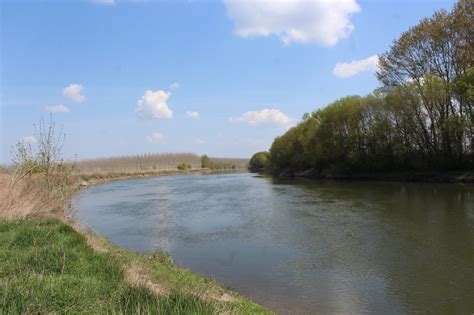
{"x": 32, "y": 195}
{"x": 149, "y": 162}
{"x": 145, "y": 162}
{"x": 23, "y": 195}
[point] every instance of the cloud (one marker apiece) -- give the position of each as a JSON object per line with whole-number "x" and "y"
{"x": 293, "y": 21}
{"x": 105, "y": 2}
{"x": 266, "y": 116}
{"x": 73, "y": 92}
{"x": 200, "y": 141}
{"x": 193, "y": 115}
{"x": 152, "y": 105}
{"x": 29, "y": 139}
{"x": 345, "y": 70}
{"x": 155, "y": 137}
{"x": 174, "y": 86}
{"x": 57, "y": 109}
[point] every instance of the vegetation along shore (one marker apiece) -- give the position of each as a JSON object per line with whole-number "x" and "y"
{"x": 419, "y": 125}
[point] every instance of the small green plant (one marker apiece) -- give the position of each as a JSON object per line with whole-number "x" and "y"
{"x": 184, "y": 166}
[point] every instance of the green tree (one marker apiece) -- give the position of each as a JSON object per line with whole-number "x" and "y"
{"x": 259, "y": 161}
{"x": 422, "y": 117}
{"x": 206, "y": 162}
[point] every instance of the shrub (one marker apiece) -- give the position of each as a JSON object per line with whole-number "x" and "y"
{"x": 184, "y": 166}
{"x": 259, "y": 161}
{"x": 206, "y": 162}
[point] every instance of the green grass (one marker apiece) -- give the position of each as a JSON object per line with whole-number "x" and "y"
{"x": 48, "y": 267}
{"x": 161, "y": 270}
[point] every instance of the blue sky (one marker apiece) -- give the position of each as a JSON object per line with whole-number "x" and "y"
{"x": 223, "y": 77}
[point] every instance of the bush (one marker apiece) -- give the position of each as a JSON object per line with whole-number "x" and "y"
{"x": 46, "y": 157}
{"x": 184, "y": 166}
{"x": 206, "y": 162}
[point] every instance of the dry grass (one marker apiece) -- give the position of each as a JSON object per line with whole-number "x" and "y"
{"x": 137, "y": 276}
{"x": 32, "y": 195}
{"x": 24, "y": 195}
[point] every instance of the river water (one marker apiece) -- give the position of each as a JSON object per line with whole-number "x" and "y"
{"x": 316, "y": 247}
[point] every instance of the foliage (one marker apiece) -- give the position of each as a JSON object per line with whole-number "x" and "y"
{"x": 222, "y": 163}
{"x": 183, "y": 166}
{"x": 259, "y": 161}
{"x": 422, "y": 117}
{"x": 206, "y": 162}
{"x": 222, "y": 166}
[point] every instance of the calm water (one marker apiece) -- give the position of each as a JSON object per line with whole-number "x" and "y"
{"x": 303, "y": 247}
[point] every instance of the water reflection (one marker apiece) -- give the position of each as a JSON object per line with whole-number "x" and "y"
{"x": 300, "y": 246}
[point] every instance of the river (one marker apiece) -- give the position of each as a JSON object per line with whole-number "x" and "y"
{"x": 315, "y": 247}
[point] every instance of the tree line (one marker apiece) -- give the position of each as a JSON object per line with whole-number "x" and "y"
{"x": 421, "y": 118}
{"x": 158, "y": 161}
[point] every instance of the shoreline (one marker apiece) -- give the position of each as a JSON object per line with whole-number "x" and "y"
{"x": 94, "y": 178}
{"x": 217, "y": 292}
{"x": 452, "y": 177}
{"x": 154, "y": 271}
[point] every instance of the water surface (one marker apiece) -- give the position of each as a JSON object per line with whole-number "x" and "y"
{"x": 301, "y": 246}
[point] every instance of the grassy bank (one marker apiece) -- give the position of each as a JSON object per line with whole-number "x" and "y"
{"x": 49, "y": 264}
{"x": 48, "y": 267}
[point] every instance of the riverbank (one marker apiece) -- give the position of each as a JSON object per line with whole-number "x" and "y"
{"x": 84, "y": 179}
{"x": 50, "y": 263}
{"x": 466, "y": 177}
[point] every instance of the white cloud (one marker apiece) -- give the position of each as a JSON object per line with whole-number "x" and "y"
{"x": 105, "y": 2}
{"x": 29, "y": 139}
{"x": 57, "y": 109}
{"x": 263, "y": 116}
{"x": 174, "y": 86}
{"x": 193, "y": 115}
{"x": 293, "y": 21}
{"x": 155, "y": 137}
{"x": 73, "y": 92}
{"x": 200, "y": 141}
{"x": 345, "y": 70}
{"x": 152, "y": 105}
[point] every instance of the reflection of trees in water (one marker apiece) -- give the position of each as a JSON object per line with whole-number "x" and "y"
{"x": 419, "y": 238}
